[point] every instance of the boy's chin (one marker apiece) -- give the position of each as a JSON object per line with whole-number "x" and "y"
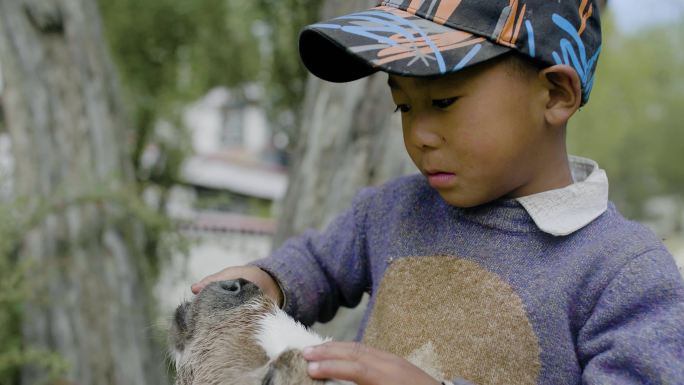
{"x": 461, "y": 200}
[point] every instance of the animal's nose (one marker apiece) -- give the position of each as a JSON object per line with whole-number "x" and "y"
{"x": 233, "y": 286}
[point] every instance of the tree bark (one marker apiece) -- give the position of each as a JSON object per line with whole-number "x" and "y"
{"x": 348, "y": 139}
{"x": 69, "y": 138}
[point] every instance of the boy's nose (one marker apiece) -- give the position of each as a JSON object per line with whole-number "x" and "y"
{"x": 425, "y": 137}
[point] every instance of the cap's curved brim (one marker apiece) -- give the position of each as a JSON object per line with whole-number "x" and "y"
{"x": 391, "y": 40}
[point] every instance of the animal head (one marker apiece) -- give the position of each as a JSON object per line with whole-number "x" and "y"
{"x": 213, "y": 337}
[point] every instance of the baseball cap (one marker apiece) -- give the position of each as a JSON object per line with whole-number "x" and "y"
{"x": 437, "y": 37}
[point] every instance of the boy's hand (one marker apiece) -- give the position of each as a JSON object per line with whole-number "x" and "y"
{"x": 251, "y": 273}
{"x": 362, "y": 365}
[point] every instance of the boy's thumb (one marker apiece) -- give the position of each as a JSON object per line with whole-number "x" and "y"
{"x": 197, "y": 287}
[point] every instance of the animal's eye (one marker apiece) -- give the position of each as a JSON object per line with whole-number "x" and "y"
{"x": 403, "y": 108}
{"x": 443, "y": 103}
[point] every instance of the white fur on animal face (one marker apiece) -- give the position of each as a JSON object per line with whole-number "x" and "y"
{"x": 178, "y": 357}
{"x": 181, "y": 356}
{"x": 278, "y": 332}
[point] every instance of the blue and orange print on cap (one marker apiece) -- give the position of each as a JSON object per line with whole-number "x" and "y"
{"x": 436, "y": 37}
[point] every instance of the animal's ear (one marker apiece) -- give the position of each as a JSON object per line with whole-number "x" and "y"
{"x": 180, "y": 331}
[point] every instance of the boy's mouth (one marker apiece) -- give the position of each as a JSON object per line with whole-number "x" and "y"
{"x": 440, "y": 179}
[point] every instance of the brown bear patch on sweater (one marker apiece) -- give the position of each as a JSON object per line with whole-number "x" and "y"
{"x": 453, "y": 318}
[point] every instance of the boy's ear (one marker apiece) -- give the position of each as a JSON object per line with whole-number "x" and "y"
{"x": 564, "y": 93}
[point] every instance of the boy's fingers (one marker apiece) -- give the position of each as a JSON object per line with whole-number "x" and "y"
{"x": 220, "y": 276}
{"x": 362, "y": 365}
{"x": 354, "y": 371}
{"x": 250, "y": 273}
{"x": 350, "y": 351}
{"x": 199, "y": 286}
{"x": 196, "y": 288}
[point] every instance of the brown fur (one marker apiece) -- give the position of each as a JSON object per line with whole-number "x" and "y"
{"x": 214, "y": 338}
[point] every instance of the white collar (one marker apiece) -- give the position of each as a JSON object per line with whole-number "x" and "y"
{"x": 568, "y": 209}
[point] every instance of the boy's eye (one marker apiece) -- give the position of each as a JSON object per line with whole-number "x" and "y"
{"x": 403, "y": 108}
{"x": 443, "y": 103}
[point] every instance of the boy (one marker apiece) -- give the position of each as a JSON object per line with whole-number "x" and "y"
{"x": 503, "y": 261}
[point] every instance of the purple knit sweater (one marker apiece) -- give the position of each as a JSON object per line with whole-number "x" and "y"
{"x": 482, "y": 294}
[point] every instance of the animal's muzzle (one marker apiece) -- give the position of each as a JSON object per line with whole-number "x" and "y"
{"x": 234, "y": 286}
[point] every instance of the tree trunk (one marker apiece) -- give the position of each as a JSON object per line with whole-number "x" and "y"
{"x": 68, "y": 134}
{"x": 348, "y": 139}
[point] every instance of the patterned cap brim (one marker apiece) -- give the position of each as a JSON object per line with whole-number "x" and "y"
{"x": 391, "y": 40}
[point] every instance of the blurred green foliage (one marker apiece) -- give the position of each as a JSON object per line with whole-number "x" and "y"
{"x": 170, "y": 52}
{"x": 285, "y": 75}
{"x": 14, "y": 291}
{"x": 22, "y": 281}
{"x": 633, "y": 125}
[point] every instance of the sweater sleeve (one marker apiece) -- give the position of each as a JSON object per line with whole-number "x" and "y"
{"x": 635, "y": 334}
{"x": 320, "y": 271}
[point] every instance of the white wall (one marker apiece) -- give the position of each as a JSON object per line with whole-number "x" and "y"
{"x": 210, "y": 253}
{"x": 215, "y": 251}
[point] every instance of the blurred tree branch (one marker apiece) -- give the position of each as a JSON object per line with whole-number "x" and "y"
{"x": 68, "y": 130}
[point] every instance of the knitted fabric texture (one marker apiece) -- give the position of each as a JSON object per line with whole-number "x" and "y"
{"x": 482, "y": 295}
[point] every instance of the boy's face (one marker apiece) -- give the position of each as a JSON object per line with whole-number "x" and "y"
{"x": 479, "y": 134}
